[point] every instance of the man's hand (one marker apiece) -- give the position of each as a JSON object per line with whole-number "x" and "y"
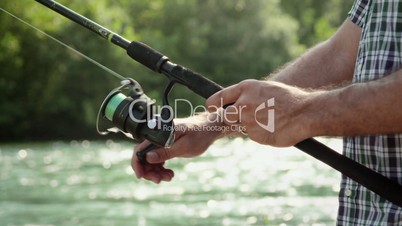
{"x": 190, "y": 140}
{"x": 291, "y": 122}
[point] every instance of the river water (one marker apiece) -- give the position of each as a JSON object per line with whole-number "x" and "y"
{"x": 237, "y": 182}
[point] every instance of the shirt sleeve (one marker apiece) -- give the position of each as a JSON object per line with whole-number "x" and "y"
{"x": 358, "y": 12}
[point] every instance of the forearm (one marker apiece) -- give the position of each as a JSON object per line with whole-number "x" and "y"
{"x": 330, "y": 63}
{"x": 316, "y": 69}
{"x": 359, "y": 109}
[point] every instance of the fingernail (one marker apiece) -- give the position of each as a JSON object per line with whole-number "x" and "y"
{"x": 152, "y": 157}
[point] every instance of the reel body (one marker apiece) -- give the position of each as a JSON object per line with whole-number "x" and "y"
{"x": 128, "y": 110}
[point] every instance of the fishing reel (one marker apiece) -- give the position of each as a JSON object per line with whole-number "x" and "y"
{"x": 128, "y": 110}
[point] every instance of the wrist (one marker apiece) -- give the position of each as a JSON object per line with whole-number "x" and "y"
{"x": 216, "y": 126}
{"x": 319, "y": 114}
{"x": 208, "y": 124}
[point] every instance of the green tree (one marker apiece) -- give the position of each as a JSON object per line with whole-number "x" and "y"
{"x": 227, "y": 41}
{"x": 317, "y": 19}
{"x": 48, "y": 92}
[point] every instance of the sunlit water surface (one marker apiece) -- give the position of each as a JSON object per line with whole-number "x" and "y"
{"x": 237, "y": 182}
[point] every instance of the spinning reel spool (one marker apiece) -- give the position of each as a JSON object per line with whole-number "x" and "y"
{"x": 128, "y": 110}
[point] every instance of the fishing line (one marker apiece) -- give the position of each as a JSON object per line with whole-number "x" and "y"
{"x": 110, "y": 71}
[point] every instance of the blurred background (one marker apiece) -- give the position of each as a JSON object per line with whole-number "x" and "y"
{"x": 48, "y": 92}
{"x": 56, "y": 170}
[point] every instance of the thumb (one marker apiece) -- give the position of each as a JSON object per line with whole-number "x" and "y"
{"x": 159, "y": 155}
{"x": 178, "y": 149}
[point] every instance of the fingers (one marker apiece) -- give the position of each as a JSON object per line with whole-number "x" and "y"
{"x": 221, "y": 99}
{"x": 232, "y": 115}
{"x": 233, "y": 99}
{"x": 153, "y": 169}
{"x": 153, "y": 172}
{"x": 183, "y": 147}
{"x": 157, "y": 155}
{"x": 230, "y": 94}
{"x": 224, "y": 97}
{"x": 157, "y": 173}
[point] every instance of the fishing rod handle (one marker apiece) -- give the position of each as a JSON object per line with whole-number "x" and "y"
{"x": 194, "y": 81}
{"x": 372, "y": 180}
{"x": 158, "y": 62}
{"x": 146, "y": 56}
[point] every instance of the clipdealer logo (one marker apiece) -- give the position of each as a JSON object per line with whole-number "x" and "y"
{"x": 267, "y": 106}
{"x": 156, "y": 121}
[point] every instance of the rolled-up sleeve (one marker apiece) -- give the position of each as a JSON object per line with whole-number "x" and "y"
{"x": 358, "y": 12}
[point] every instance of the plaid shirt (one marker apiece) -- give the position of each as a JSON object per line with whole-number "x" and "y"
{"x": 379, "y": 54}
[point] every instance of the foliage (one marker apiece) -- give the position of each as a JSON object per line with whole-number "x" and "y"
{"x": 48, "y": 92}
{"x": 317, "y": 19}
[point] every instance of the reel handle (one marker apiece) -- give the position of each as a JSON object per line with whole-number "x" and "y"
{"x": 141, "y": 155}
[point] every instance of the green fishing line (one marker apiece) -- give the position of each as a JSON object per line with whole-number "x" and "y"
{"x": 113, "y": 104}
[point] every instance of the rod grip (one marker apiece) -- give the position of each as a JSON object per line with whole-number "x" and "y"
{"x": 194, "y": 81}
{"x": 155, "y": 61}
{"x": 372, "y": 180}
{"x": 146, "y": 55}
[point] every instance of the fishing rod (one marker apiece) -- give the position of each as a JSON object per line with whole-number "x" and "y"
{"x": 130, "y": 110}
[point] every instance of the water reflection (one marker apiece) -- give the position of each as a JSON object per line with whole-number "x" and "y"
{"x": 236, "y": 183}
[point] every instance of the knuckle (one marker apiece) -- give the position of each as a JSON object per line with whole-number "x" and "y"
{"x": 248, "y": 84}
{"x": 165, "y": 154}
{"x": 247, "y": 120}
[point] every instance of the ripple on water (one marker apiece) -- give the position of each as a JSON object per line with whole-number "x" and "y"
{"x": 237, "y": 182}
